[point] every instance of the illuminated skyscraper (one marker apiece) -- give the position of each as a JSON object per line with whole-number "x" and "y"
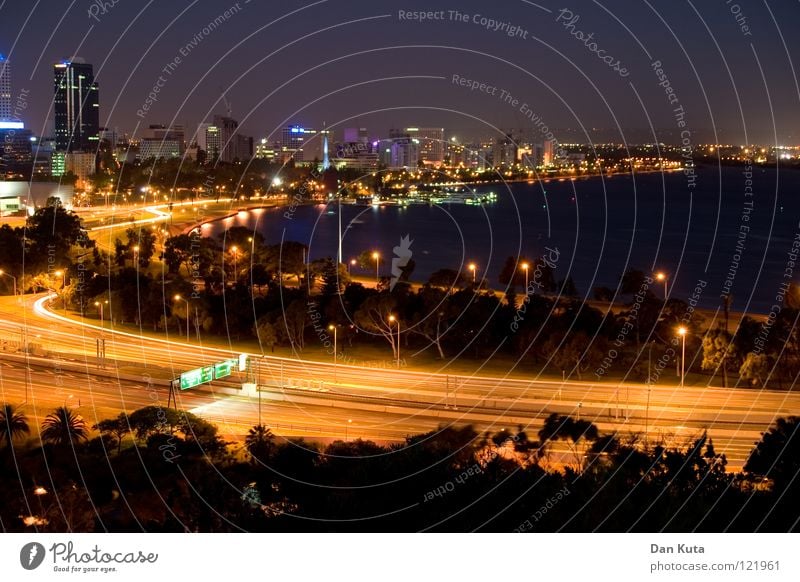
{"x": 5, "y": 89}
{"x": 431, "y": 143}
{"x": 77, "y": 107}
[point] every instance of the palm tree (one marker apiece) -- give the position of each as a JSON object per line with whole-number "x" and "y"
{"x": 13, "y": 423}
{"x": 258, "y": 442}
{"x": 62, "y": 427}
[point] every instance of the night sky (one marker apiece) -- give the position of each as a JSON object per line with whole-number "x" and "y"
{"x": 354, "y": 63}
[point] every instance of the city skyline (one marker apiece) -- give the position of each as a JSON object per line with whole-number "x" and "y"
{"x": 704, "y": 88}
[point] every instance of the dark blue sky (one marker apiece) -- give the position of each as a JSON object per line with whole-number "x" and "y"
{"x": 357, "y": 59}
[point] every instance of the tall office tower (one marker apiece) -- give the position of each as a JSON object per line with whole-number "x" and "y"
{"x": 5, "y": 89}
{"x": 293, "y": 138}
{"x": 232, "y": 145}
{"x": 431, "y": 143}
{"x": 77, "y": 107}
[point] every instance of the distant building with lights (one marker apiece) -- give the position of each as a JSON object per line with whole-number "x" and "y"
{"x": 76, "y": 106}
{"x": 5, "y": 89}
{"x": 161, "y": 142}
{"x": 430, "y": 143}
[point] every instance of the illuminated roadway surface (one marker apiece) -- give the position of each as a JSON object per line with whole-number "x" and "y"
{"x": 316, "y": 400}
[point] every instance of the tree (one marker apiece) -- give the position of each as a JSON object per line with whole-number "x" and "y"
{"x": 755, "y": 369}
{"x": 578, "y": 434}
{"x": 115, "y": 427}
{"x": 445, "y": 279}
{"x": 293, "y": 324}
{"x": 373, "y": 317}
{"x": 716, "y": 349}
{"x": 178, "y": 253}
{"x": 145, "y": 240}
{"x": 431, "y": 320}
{"x": 51, "y": 232}
{"x": 64, "y": 427}
{"x": 577, "y": 354}
{"x": 13, "y": 423}
{"x": 259, "y": 443}
{"x": 777, "y": 454}
{"x": 265, "y": 333}
{"x": 151, "y": 420}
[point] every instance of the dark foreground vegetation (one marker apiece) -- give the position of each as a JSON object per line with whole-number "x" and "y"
{"x": 161, "y": 470}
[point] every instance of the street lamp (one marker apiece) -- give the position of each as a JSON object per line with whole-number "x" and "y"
{"x": 474, "y": 268}
{"x": 186, "y": 301}
{"x": 2, "y": 272}
{"x": 350, "y": 266}
{"x": 136, "y": 257}
{"x": 682, "y": 331}
{"x": 525, "y": 267}
{"x": 377, "y": 257}
{"x": 393, "y": 319}
{"x": 235, "y": 251}
{"x": 100, "y": 305}
{"x": 332, "y": 328}
{"x": 660, "y": 276}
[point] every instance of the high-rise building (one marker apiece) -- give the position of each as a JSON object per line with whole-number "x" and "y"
{"x": 431, "y": 143}
{"x": 293, "y": 140}
{"x": 212, "y": 141}
{"x": 159, "y": 141}
{"x": 400, "y": 150}
{"x": 548, "y": 152}
{"x": 232, "y": 145}
{"x": 77, "y": 107}
{"x": 5, "y": 89}
{"x": 505, "y": 151}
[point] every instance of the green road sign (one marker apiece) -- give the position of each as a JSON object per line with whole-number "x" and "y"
{"x": 196, "y": 377}
{"x": 225, "y": 368}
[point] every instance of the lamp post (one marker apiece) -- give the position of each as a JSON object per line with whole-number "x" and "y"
{"x": 100, "y": 305}
{"x": 235, "y": 252}
{"x": 136, "y": 258}
{"x": 393, "y": 319}
{"x": 332, "y": 328}
{"x": 2, "y": 272}
{"x": 660, "y": 276}
{"x": 474, "y": 268}
{"x": 186, "y": 301}
{"x": 682, "y": 331}
{"x": 350, "y": 266}
{"x": 525, "y": 267}
{"x": 376, "y": 255}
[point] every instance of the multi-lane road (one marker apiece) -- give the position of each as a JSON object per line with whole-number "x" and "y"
{"x": 321, "y": 400}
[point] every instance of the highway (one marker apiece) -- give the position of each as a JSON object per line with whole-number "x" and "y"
{"x": 323, "y": 401}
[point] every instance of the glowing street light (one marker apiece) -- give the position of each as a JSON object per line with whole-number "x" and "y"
{"x": 525, "y": 267}
{"x": 235, "y": 252}
{"x": 376, "y": 255}
{"x": 2, "y": 272}
{"x": 350, "y": 265}
{"x": 393, "y": 319}
{"x": 186, "y": 301}
{"x": 474, "y": 268}
{"x": 332, "y": 328}
{"x": 100, "y": 305}
{"x": 661, "y": 276}
{"x": 682, "y": 331}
